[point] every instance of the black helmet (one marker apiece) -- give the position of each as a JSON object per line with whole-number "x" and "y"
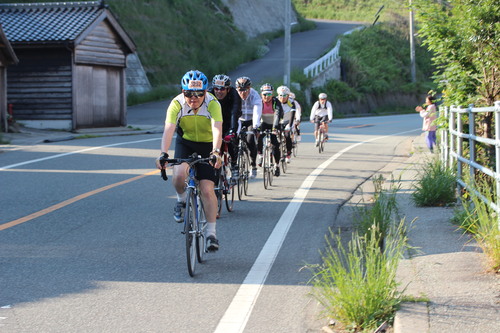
{"x": 243, "y": 83}
{"x": 221, "y": 81}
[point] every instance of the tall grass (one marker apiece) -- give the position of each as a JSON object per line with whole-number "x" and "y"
{"x": 436, "y": 185}
{"x": 357, "y": 285}
{"x": 481, "y": 220}
{"x": 381, "y": 213}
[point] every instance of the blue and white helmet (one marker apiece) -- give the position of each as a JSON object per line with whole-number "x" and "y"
{"x": 194, "y": 80}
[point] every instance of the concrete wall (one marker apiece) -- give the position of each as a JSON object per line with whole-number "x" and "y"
{"x": 258, "y": 16}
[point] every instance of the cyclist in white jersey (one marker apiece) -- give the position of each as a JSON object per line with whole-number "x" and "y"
{"x": 288, "y": 120}
{"x": 251, "y": 111}
{"x": 321, "y": 112}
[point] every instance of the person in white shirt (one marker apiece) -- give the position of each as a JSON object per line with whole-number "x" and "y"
{"x": 321, "y": 112}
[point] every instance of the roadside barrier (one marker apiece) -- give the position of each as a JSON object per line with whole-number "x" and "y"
{"x": 452, "y": 146}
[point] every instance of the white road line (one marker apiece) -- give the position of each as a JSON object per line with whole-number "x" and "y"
{"x": 237, "y": 314}
{"x": 72, "y": 153}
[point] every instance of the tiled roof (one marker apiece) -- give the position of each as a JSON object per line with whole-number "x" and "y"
{"x": 48, "y": 22}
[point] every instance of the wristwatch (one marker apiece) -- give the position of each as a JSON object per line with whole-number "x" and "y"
{"x": 216, "y": 150}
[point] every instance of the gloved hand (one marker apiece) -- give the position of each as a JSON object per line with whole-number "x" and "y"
{"x": 228, "y": 138}
{"x": 160, "y": 161}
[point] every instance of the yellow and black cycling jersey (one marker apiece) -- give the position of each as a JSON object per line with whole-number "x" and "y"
{"x": 194, "y": 126}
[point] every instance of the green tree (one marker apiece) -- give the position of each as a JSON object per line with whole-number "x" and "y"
{"x": 464, "y": 36}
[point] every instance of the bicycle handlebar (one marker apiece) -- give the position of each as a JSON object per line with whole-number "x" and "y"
{"x": 192, "y": 160}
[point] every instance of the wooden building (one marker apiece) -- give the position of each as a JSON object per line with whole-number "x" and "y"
{"x": 72, "y": 60}
{"x": 7, "y": 57}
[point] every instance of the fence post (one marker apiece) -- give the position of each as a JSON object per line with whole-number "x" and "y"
{"x": 497, "y": 156}
{"x": 451, "y": 127}
{"x": 460, "y": 147}
{"x": 444, "y": 140}
{"x": 472, "y": 141}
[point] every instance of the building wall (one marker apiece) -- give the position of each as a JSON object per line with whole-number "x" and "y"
{"x": 3, "y": 98}
{"x": 40, "y": 86}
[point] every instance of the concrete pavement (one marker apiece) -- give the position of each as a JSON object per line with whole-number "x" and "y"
{"x": 447, "y": 272}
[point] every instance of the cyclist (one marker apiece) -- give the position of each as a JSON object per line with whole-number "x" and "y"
{"x": 230, "y": 102}
{"x": 251, "y": 108}
{"x": 196, "y": 116}
{"x": 272, "y": 114}
{"x": 298, "y": 115}
{"x": 321, "y": 112}
{"x": 288, "y": 120}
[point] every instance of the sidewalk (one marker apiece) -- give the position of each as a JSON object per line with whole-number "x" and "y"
{"x": 448, "y": 268}
{"x": 29, "y": 136}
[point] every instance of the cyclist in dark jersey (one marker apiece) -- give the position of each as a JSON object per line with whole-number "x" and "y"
{"x": 230, "y": 102}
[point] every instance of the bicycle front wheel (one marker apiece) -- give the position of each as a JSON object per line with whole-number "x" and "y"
{"x": 295, "y": 146}
{"x": 228, "y": 190}
{"x": 321, "y": 141}
{"x": 218, "y": 191}
{"x": 200, "y": 232}
{"x": 283, "y": 155}
{"x": 190, "y": 226}
{"x": 243, "y": 178}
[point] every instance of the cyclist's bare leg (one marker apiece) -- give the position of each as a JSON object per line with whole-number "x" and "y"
{"x": 209, "y": 201}
{"x": 180, "y": 173}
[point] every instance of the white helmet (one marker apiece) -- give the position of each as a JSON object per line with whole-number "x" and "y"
{"x": 322, "y": 96}
{"x": 283, "y": 90}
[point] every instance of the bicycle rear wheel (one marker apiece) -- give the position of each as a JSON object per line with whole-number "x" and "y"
{"x": 321, "y": 138}
{"x": 190, "y": 225}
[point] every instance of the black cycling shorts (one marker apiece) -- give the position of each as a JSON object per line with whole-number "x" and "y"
{"x": 185, "y": 148}
{"x": 318, "y": 120}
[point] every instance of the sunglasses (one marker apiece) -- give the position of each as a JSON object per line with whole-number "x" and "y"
{"x": 282, "y": 95}
{"x": 267, "y": 94}
{"x": 242, "y": 90}
{"x": 197, "y": 94}
{"x": 219, "y": 88}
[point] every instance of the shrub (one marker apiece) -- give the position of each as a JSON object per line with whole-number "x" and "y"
{"x": 436, "y": 186}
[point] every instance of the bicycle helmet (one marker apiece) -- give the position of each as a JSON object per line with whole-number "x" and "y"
{"x": 194, "y": 80}
{"x": 221, "y": 81}
{"x": 283, "y": 90}
{"x": 243, "y": 83}
{"x": 322, "y": 96}
{"x": 266, "y": 88}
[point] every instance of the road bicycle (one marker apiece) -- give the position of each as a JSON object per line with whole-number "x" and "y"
{"x": 195, "y": 221}
{"x": 267, "y": 159}
{"x": 243, "y": 163}
{"x": 224, "y": 188}
{"x": 322, "y": 137}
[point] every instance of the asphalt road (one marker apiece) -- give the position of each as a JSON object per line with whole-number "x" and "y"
{"x": 88, "y": 243}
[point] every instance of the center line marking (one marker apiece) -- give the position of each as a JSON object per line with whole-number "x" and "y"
{"x": 237, "y": 314}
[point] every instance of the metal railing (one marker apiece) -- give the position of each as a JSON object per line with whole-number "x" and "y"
{"x": 452, "y": 146}
{"x": 327, "y": 60}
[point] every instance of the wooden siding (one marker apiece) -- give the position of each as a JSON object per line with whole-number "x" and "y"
{"x": 3, "y": 98}
{"x": 40, "y": 86}
{"x": 99, "y": 96}
{"x": 101, "y": 47}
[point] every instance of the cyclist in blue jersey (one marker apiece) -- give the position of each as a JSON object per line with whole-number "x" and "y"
{"x": 196, "y": 116}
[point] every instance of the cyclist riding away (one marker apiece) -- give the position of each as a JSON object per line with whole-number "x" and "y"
{"x": 196, "y": 116}
{"x": 321, "y": 112}
{"x": 272, "y": 114}
{"x": 251, "y": 108}
{"x": 230, "y": 102}
{"x": 288, "y": 120}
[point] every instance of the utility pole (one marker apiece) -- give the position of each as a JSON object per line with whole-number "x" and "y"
{"x": 288, "y": 40}
{"x": 412, "y": 47}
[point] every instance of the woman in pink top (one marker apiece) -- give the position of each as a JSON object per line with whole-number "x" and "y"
{"x": 429, "y": 114}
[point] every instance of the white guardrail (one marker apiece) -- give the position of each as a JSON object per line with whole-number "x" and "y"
{"x": 328, "y": 59}
{"x": 452, "y": 146}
